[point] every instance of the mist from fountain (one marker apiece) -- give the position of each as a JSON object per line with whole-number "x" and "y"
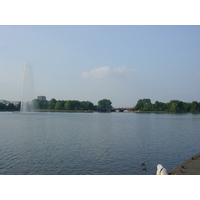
{"x": 27, "y": 89}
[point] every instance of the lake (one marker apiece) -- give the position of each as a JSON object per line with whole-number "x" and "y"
{"x": 95, "y": 143}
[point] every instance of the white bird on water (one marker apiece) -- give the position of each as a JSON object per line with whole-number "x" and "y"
{"x": 161, "y": 170}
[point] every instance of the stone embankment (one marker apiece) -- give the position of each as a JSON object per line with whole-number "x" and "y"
{"x": 189, "y": 167}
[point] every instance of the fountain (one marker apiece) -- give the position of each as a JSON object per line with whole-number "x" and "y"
{"x": 27, "y": 93}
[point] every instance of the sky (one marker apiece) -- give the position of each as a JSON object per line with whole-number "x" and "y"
{"x": 90, "y": 63}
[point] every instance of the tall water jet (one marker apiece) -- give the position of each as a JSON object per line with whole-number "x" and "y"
{"x": 27, "y": 92}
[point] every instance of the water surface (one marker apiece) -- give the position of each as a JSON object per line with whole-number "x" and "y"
{"x": 95, "y": 143}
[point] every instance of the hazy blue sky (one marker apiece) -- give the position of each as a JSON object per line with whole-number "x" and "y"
{"x": 120, "y": 63}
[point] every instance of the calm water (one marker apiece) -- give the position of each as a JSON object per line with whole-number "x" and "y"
{"x": 95, "y": 143}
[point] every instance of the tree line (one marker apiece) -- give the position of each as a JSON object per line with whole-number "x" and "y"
{"x": 174, "y": 106}
{"x": 105, "y": 105}
{"x": 9, "y": 107}
{"x": 70, "y": 105}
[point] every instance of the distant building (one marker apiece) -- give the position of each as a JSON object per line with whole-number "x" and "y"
{"x": 41, "y": 98}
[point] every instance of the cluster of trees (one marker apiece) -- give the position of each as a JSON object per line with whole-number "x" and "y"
{"x": 9, "y": 107}
{"x": 53, "y": 104}
{"x": 105, "y": 105}
{"x": 174, "y": 106}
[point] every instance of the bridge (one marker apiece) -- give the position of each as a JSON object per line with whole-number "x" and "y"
{"x": 122, "y": 109}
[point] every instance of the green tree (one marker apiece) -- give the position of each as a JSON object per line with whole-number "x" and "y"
{"x": 40, "y": 104}
{"x": 68, "y": 105}
{"x": 52, "y": 104}
{"x": 186, "y": 107}
{"x": 195, "y": 107}
{"x": 143, "y": 105}
{"x": 175, "y": 106}
{"x": 58, "y": 105}
{"x": 156, "y": 106}
{"x": 45, "y": 104}
{"x": 2, "y": 107}
{"x": 171, "y": 106}
{"x": 87, "y": 105}
{"x": 139, "y": 105}
{"x": 72, "y": 105}
{"x": 62, "y": 104}
{"x": 77, "y": 105}
{"x": 163, "y": 106}
{"x": 11, "y": 107}
{"x": 105, "y": 105}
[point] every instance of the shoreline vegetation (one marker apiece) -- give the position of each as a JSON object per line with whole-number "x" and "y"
{"x": 104, "y": 105}
{"x": 174, "y": 106}
{"x": 71, "y": 111}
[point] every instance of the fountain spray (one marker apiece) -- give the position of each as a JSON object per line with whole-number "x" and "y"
{"x": 27, "y": 93}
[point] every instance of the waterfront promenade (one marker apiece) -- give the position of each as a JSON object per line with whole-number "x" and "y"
{"x": 189, "y": 167}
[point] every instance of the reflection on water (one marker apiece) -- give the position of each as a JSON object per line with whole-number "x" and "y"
{"x": 95, "y": 143}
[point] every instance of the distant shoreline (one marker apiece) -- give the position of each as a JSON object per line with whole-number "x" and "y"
{"x": 92, "y": 111}
{"x": 51, "y": 110}
{"x": 162, "y": 112}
